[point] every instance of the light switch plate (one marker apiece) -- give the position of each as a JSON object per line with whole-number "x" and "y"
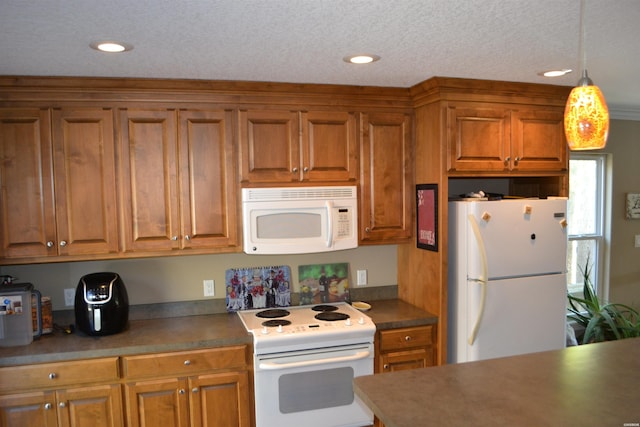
{"x": 209, "y": 288}
{"x": 362, "y": 278}
{"x": 69, "y": 297}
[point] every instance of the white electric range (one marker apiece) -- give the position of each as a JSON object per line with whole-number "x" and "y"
{"x": 305, "y": 359}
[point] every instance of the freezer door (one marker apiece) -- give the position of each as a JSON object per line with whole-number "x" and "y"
{"x": 521, "y": 237}
{"x": 524, "y": 315}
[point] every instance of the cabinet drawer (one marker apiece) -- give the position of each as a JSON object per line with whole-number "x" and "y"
{"x": 406, "y": 338}
{"x": 184, "y": 362}
{"x": 59, "y": 374}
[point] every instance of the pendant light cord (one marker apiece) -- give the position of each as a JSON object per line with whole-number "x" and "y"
{"x": 583, "y": 49}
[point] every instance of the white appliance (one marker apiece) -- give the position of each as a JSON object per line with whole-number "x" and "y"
{"x": 507, "y": 277}
{"x": 305, "y": 359}
{"x": 296, "y": 220}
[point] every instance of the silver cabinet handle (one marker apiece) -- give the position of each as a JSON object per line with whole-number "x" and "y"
{"x": 305, "y": 170}
{"x": 407, "y": 338}
{"x": 181, "y": 391}
{"x": 49, "y": 244}
{"x": 187, "y": 237}
{"x": 385, "y": 366}
{"x": 52, "y": 376}
{"x": 47, "y": 406}
{"x": 517, "y": 159}
{"x": 195, "y": 390}
{"x": 367, "y": 229}
{"x": 507, "y": 159}
{"x": 174, "y": 238}
{"x": 62, "y": 404}
{"x": 294, "y": 170}
{"x": 187, "y": 362}
{"x": 63, "y": 243}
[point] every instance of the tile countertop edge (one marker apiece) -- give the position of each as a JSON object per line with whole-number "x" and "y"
{"x": 190, "y": 332}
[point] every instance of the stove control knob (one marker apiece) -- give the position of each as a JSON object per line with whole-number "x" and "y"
{"x": 348, "y": 322}
{"x": 361, "y": 321}
{"x": 279, "y": 328}
{"x": 265, "y": 331}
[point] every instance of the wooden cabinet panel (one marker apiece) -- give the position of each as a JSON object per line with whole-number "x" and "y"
{"x": 403, "y": 338}
{"x": 478, "y": 138}
{"x": 95, "y": 406}
{"x": 220, "y": 400}
{"x": 58, "y": 374}
{"x": 484, "y": 137}
{"x": 157, "y": 403}
{"x": 184, "y": 362}
{"x": 403, "y": 360}
{"x": 537, "y": 139}
{"x": 85, "y": 184}
{"x": 269, "y": 146}
{"x": 28, "y": 409}
{"x": 386, "y": 190}
{"x": 208, "y": 187}
{"x": 149, "y": 194}
{"x": 329, "y": 146}
{"x": 27, "y": 211}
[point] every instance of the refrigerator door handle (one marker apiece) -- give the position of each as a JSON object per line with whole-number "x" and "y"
{"x": 482, "y": 280}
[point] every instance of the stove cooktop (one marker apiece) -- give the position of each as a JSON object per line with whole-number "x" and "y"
{"x": 307, "y": 327}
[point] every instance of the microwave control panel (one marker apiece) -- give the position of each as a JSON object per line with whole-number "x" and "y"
{"x": 343, "y": 223}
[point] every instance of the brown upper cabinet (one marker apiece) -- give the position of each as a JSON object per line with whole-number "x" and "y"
{"x": 496, "y": 138}
{"x": 280, "y": 147}
{"x": 178, "y": 179}
{"x": 59, "y": 189}
{"x": 386, "y": 177}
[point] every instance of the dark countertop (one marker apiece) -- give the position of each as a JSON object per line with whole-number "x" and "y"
{"x": 588, "y": 385}
{"x": 179, "y": 333}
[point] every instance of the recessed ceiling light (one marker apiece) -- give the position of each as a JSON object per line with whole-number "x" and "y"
{"x": 361, "y": 59}
{"x": 111, "y": 46}
{"x": 555, "y": 73}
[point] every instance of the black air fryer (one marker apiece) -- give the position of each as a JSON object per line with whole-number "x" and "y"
{"x": 102, "y": 304}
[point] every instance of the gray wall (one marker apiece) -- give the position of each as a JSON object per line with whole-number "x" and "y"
{"x": 172, "y": 279}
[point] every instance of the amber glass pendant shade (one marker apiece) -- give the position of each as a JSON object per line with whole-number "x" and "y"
{"x": 586, "y": 118}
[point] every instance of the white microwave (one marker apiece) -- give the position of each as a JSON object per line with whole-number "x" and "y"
{"x": 298, "y": 220}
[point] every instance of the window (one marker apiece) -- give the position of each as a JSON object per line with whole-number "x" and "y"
{"x": 586, "y": 217}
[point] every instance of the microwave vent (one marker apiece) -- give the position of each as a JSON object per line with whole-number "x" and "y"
{"x": 297, "y": 193}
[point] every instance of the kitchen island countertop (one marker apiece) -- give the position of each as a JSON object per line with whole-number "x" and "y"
{"x": 179, "y": 334}
{"x": 587, "y": 385}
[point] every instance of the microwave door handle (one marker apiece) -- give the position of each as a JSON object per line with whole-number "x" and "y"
{"x": 306, "y": 363}
{"x": 329, "y": 206}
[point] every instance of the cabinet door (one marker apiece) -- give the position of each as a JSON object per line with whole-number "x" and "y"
{"x": 269, "y": 146}
{"x": 85, "y": 184}
{"x": 220, "y": 400}
{"x": 386, "y": 187}
{"x": 478, "y": 138}
{"x": 402, "y": 360}
{"x": 97, "y": 406}
{"x": 157, "y": 403}
{"x": 149, "y": 193}
{"x": 28, "y": 409}
{"x": 329, "y": 146}
{"x": 27, "y": 212}
{"x": 208, "y": 179}
{"x": 537, "y": 140}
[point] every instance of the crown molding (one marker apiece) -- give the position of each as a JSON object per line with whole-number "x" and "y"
{"x": 620, "y": 112}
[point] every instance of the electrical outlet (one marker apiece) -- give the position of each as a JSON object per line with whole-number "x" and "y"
{"x": 209, "y": 288}
{"x": 69, "y": 297}
{"x": 362, "y": 278}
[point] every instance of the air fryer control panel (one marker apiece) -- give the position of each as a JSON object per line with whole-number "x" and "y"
{"x": 98, "y": 294}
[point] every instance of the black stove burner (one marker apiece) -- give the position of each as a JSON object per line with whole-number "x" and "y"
{"x": 272, "y": 313}
{"x": 331, "y": 316}
{"x": 324, "y": 308}
{"x": 276, "y": 322}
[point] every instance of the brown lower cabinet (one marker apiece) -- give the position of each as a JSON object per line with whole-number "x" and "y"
{"x": 404, "y": 348}
{"x": 199, "y": 388}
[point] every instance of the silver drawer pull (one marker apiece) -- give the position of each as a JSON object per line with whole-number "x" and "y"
{"x": 52, "y": 376}
{"x": 407, "y": 338}
{"x": 47, "y": 406}
{"x": 385, "y": 366}
{"x": 62, "y": 404}
{"x": 187, "y": 362}
{"x": 195, "y": 390}
{"x": 181, "y": 391}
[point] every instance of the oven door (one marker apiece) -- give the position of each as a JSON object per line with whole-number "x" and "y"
{"x": 312, "y": 387}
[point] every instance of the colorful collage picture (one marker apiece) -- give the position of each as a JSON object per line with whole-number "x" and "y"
{"x": 323, "y": 283}
{"x": 258, "y": 287}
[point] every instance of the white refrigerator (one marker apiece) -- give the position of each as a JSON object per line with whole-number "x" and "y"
{"x": 507, "y": 277}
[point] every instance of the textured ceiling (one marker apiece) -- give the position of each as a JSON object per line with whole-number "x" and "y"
{"x": 304, "y": 41}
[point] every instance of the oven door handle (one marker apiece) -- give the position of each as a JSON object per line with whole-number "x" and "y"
{"x": 274, "y": 365}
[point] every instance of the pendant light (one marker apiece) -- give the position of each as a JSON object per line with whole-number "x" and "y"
{"x": 586, "y": 117}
